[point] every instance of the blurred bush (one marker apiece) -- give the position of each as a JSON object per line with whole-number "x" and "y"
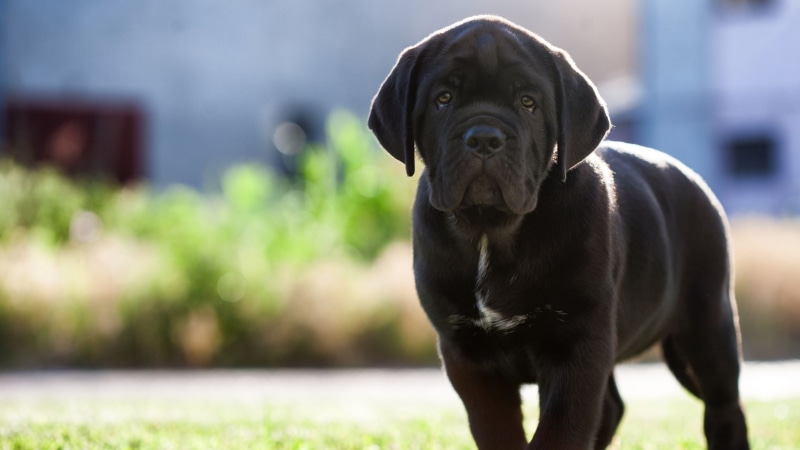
{"x": 262, "y": 272}
{"x": 767, "y": 266}
{"x": 266, "y": 271}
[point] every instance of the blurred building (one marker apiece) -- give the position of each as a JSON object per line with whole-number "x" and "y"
{"x": 174, "y": 92}
{"x": 207, "y": 83}
{"x": 721, "y": 91}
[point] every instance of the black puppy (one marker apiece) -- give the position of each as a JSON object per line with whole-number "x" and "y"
{"x": 542, "y": 255}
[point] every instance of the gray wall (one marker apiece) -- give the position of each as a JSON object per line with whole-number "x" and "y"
{"x": 214, "y": 78}
{"x": 676, "y": 109}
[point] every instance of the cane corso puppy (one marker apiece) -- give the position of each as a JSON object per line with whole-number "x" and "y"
{"x": 543, "y": 254}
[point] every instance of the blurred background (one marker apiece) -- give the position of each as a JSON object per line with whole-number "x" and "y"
{"x": 191, "y": 183}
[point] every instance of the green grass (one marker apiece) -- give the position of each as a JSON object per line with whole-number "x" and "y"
{"x": 161, "y": 424}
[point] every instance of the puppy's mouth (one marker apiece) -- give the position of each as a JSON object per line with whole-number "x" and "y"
{"x": 483, "y": 192}
{"x": 482, "y": 165}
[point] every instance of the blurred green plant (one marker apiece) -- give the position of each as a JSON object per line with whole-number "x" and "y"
{"x": 265, "y": 270}
{"x": 345, "y": 204}
{"x": 42, "y": 203}
{"x": 95, "y": 275}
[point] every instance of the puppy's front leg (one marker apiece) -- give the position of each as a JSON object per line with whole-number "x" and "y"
{"x": 494, "y": 406}
{"x": 570, "y": 403}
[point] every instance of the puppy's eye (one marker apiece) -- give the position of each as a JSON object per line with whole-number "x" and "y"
{"x": 527, "y": 102}
{"x": 444, "y": 98}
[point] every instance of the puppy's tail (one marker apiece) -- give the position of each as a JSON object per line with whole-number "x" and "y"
{"x": 679, "y": 367}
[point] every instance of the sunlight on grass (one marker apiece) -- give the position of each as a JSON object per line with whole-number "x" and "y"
{"x": 407, "y": 424}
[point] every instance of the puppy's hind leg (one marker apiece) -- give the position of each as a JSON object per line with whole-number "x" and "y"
{"x": 705, "y": 358}
{"x": 679, "y": 367}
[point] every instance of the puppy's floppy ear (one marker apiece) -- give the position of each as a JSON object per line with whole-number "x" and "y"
{"x": 391, "y": 115}
{"x": 582, "y": 116}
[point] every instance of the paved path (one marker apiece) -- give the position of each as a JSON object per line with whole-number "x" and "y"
{"x": 760, "y": 381}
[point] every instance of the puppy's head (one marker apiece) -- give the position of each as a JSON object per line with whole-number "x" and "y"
{"x": 492, "y": 109}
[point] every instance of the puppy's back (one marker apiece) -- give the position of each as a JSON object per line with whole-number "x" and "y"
{"x": 672, "y": 239}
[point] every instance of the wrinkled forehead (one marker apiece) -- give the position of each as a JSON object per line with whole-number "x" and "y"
{"x": 493, "y": 49}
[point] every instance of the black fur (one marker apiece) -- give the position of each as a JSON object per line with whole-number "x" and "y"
{"x": 543, "y": 255}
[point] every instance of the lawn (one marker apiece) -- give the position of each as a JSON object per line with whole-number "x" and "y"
{"x": 403, "y": 424}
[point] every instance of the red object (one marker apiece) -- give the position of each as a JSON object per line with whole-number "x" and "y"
{"x": 81, "y": 138}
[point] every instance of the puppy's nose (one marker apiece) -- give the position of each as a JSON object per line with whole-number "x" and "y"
{"x": 484, "y": 140}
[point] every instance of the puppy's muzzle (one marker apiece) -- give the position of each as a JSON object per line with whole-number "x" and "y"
{"x": 484, "y": 141}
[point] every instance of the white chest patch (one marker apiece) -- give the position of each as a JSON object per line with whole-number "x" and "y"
{"x": 483, "y": 260}
{"x": 488, "y": 319}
